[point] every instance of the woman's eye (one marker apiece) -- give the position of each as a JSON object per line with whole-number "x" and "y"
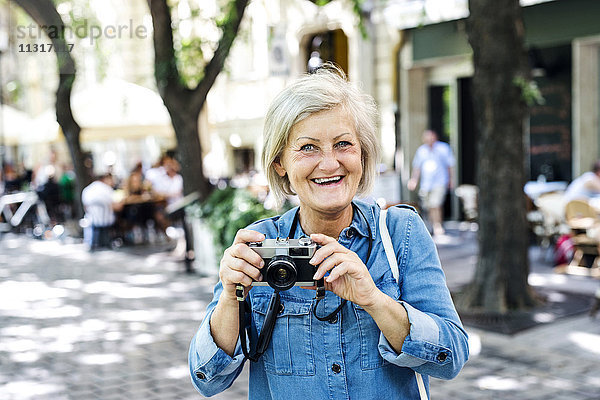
{"x": 343, "y": 143}
{"x": 307, "y": 147}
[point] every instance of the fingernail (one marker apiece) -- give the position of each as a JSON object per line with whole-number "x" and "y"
{"x": 262, "y": 263}
{"x": 312, "y": 261}
{"x": 315, "y": 276}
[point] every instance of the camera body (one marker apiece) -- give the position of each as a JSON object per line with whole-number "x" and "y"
{"x": 286, "y": 262}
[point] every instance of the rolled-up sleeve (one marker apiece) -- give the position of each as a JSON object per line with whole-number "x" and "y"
{"x": 212, "y": 370}
{"x": 437, "y": 344}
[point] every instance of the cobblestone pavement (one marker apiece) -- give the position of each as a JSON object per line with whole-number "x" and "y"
{"x": 116, "y": 325}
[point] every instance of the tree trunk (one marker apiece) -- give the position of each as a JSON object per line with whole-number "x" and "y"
{"x": 45, "y": 15}
{"x": 496, "y": 34}
{"x": 184, "y": 104}
{"x": 189, "y": 150}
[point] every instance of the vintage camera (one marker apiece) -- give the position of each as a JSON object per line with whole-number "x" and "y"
{"x": 286, "y": 262}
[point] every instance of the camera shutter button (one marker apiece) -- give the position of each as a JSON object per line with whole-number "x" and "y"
{"x": 305, "y": 241}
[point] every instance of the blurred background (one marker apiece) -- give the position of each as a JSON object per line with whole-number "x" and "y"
{"x": 168, "y": 99}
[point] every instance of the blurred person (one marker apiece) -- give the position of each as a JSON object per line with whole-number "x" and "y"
{"x": 66, "y": 190}
{"x": 170, "y": 185}
{"x": 134, "y": 184}
{"x": 586, "y": 186}
{"x": 314, "y": 62}
{"x": 386, "y": 331}
{"x": 432, "y": 170}
{"x": 49, "y": 193}
{"x": 138, "y": 206}
{"x": 98, "y": 201}
{"x": 13, "y": 181}
{"x": 157, "y": 171}
{"x": 43, "y": 172}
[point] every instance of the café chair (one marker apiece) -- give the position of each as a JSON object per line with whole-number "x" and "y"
{"x": 547, "y": 221}
{"x": 585, "y": 230}
{"x": 468, "y": 195}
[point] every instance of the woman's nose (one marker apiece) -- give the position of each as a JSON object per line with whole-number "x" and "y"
{"x": 329, "y": 162}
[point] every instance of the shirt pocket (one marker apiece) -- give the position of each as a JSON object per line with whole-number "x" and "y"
{"x": 369, "y": 332}
{"x": 290, "y": 351}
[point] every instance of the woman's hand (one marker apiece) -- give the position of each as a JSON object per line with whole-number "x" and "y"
{"x": 350, "y": 279}
{"x": 240, "y": 264}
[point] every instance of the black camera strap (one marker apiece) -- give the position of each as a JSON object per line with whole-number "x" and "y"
{"x": 268, "y": 325}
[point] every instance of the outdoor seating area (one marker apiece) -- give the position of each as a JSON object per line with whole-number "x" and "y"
{"x": 130, "y": 210}
{"x": 567, "y": 232}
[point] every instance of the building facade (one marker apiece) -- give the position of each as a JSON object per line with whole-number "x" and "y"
{"x": 562, "y": 133}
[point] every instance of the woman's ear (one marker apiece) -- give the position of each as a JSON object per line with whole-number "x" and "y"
{"x": 279, "y": 167}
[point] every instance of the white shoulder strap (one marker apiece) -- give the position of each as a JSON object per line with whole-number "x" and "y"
{"x": 387, "y": 244}
{"x": 391, "y": 256}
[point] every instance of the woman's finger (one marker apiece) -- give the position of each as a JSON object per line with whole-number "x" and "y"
{"x": 235, "y": 277}
{"x": 321, "y": 239}
{"x": 326, "y": 251}
{"x": 339, "y": 270}
{"x": 327, "y": 265}
{"x": 237, "y": 264}
{"x": 244, "y": 252}
{"x": 247, "y": 236}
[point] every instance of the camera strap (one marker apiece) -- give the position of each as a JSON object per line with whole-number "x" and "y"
{"x": 268, "y": 325}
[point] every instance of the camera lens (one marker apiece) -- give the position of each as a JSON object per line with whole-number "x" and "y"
{"x": 281, "y": 273}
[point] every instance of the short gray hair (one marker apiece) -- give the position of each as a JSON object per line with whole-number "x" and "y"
{"x": 324, "y": 89}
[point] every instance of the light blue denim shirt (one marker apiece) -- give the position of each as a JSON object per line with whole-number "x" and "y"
{"x": 348, "y": 358}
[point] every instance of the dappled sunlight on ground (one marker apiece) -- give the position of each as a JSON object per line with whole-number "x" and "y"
{"x": 586, "y": 341}
{"x": 82, "y": 325}
{"x": 117, "y": 325}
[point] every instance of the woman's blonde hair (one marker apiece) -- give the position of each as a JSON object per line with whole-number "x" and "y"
{"x": 324, "y": 89}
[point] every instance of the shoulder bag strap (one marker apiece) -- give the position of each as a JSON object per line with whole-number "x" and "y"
{"x": 391, "y": 256}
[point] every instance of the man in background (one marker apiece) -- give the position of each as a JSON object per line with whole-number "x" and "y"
{"x": 100, "y": 206}
{"x": 586, "y": 186}
{"x": 432, "y": 171}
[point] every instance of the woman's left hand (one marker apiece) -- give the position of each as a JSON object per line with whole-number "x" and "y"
{"x": 350, "y": 279}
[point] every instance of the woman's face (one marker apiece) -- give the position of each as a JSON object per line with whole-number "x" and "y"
{"x": 322, "y": 160}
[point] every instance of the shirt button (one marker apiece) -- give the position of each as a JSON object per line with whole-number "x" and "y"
{"x": 281, "y": 308}
{"x": 334, "y": 319}
{"x": 336, "y": 368}
{"x": 200, "y": 375}
{"x": 441, "y": 357}
{"x": 350, "y": 232}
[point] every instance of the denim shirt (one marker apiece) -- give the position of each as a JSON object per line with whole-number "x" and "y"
{"x": 347, "y": 358}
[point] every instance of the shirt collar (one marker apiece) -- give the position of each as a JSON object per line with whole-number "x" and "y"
{"x": 362, "y": 227}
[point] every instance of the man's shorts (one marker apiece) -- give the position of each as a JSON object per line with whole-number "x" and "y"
{"x": 433, "y": 198}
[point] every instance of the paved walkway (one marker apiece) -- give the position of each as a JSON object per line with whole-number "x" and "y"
{"x": 116, "y": 325}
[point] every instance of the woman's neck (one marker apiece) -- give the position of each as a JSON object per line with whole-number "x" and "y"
{"x": 330, "y": 224}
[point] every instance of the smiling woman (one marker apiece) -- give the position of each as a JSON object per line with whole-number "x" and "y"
{"x": 324, "y": 97}
{"x": 381, "y": 312}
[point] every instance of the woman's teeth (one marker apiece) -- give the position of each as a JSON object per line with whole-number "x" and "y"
{"x": 322, "y": 181}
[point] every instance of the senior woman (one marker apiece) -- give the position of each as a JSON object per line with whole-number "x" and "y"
{"x": 385, "y": 334}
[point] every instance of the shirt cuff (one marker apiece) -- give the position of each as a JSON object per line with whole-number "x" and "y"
{"x": 210, "y": 360}
{"x": 420, "y": 346}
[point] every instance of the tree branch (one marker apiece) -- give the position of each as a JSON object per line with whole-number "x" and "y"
{"x": 165, "y": 66}
{"x": 215, "y": 65}
{"x": 45, "y": 15}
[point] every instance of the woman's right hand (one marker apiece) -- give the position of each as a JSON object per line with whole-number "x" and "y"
{"x": 240, "y": 264}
